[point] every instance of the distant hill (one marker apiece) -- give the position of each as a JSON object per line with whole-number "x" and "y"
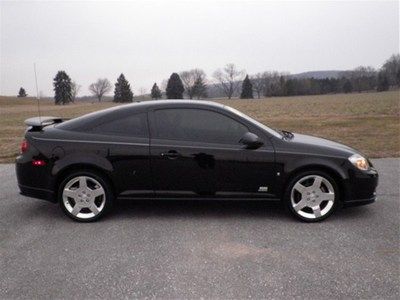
{"x": 214, "y": 90}
{"x": 318, "y": 74}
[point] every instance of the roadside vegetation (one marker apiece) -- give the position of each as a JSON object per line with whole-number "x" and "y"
{"x": 368, "y": 122}
{"x": 231, "y": 82}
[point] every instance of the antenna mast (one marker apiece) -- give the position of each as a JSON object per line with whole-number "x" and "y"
{"x": 37, "y": 92}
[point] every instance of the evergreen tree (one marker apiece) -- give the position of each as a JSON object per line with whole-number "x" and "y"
{"x": 122, "y": 91}
{"x": 156, "y": 92}
{"x": 62, "y": 88}
{"x": 347, "y": 86}
{"x": 383, "y": 82}
{"x": 22, "y": 93}
{"x": 247, "y": 89}
{"x": 200, "y": 88}
{"x": 175, "y": 87}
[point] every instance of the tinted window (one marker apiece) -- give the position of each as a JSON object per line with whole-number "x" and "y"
{"x": 134, "y": 126}
{"x": 198, "y": 125}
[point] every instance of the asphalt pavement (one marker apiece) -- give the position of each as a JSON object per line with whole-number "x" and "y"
{"x": 199, "y": 249}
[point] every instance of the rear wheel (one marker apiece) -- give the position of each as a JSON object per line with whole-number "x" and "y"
{"x": 312, "y": 196}
{"x": 85, "y": 196}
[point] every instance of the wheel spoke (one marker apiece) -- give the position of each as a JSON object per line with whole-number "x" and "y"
{"x": 300, "y": 205}
{"x": 82, "y": 182}
{"x": 76, "y": 210}
{"x": 94, "y": 209}
{"x": 299, "y": 187}
{"x": 327, "y": 197}
{"x": 317, "y": 211}
{"x": 70, "y": 193}
{"x": 97, "y": 192}
{"x": 317, "y": 182}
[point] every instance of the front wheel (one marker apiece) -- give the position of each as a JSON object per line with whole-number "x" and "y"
{"x": 85, "y": 196}
{"x": 312, "y": 196}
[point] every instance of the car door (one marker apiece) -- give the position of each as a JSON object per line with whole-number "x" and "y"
{"x": 195, "y": 152}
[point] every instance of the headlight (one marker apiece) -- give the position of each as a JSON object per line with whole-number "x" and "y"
{"x": 359, "y": 162}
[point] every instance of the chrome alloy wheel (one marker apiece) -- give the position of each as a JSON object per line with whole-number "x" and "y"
{"x": 84, "y": 197}
{"x": 312, "y": 197}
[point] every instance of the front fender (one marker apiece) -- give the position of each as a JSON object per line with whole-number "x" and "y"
{"x": 335, "y": 165}
{"x": 289, "y": 164}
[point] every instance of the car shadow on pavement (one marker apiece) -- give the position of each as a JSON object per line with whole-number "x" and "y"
{"x": 194, "y": 209}
{"x": 198, "y": 209}
{"x": 218, "y": 209}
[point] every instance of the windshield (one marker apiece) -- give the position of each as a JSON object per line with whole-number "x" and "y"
{"x": 255, "y": 122}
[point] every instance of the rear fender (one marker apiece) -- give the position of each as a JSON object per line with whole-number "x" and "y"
{"x": 79, "y": 159}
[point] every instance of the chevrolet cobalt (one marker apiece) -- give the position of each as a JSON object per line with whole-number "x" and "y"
{"x": 181, "y": 149}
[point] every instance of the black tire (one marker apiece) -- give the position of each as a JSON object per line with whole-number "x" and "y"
{"x": 109, "y": 195}
{"x": 298, "y": 177}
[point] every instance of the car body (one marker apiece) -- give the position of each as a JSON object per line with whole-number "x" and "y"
{"x": 186, "y": 149}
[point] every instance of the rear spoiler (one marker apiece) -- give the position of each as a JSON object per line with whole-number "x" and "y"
{"x": 38, "y": 123}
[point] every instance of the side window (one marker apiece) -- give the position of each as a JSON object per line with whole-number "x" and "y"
{"x": 197, "y": 125}
{"x": 132, "y": 126}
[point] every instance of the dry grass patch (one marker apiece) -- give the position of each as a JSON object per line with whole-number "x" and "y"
{"x": 366, "y": 121}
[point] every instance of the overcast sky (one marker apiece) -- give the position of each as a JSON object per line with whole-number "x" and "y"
{"x": 148, "y": 40}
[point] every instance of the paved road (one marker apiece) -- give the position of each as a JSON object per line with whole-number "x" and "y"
{"x": 199, "y": 249}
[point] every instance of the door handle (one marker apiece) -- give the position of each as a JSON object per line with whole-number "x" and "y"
{"x": 172, "y": 154}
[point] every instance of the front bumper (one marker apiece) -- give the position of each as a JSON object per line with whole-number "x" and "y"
{"x": 359, "y": 202}
{"x": 361, "y": 187}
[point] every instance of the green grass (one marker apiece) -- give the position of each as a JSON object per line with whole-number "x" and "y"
{"x": 366, "y": 121}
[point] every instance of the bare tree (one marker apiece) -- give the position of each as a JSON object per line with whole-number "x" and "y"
{"x": 363, "y": 78}
{"x": 230, "y": 79}
{"x": 274, "y": 83}
{"x": 189, "y": 79}
{"x": 392, "y": 69}
{"x": 258, "y": 81}
{"x": 142, "y": 92}
{"x": 164, "y": 84}
{"x": 75, "y": 88}
{"x": 100, "y": 88}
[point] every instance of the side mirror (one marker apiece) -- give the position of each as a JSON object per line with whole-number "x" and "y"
{"x": 251, "y": 141}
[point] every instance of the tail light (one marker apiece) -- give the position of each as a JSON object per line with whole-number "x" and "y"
{"x": 38, "y": 163}
{"x": 24, "y": 146}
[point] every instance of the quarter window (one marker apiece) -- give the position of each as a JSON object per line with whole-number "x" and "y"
{"x": 132, "y": 126}
{"x": 198, "y": 125}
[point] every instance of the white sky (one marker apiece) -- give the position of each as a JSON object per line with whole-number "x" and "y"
{"x": 148, "y": 40}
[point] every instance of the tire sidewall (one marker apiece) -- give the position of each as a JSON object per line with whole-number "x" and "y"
{"x": 296, "y": 178}
{"x": 105, "y": 184}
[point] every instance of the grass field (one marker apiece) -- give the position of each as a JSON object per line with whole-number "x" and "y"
{"x": 368, "y": 122}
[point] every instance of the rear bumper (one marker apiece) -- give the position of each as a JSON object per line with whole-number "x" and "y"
{"x": 34, "y": 181}
{"x": 38, "y": 193}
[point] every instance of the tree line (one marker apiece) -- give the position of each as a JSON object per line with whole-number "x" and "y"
{"x": 232, "y": 82}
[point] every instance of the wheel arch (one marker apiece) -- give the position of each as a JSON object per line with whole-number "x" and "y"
{"x": 339, "y": 178}
{"x": 75, "y": 167}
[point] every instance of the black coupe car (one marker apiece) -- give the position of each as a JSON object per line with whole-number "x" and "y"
{"x": 181, "y": 149}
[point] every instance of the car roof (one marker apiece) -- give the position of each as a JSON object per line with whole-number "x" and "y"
{"x": 174, "y": 102}
{"x": 159, "y": 103}
{"x": 133, "y": 107}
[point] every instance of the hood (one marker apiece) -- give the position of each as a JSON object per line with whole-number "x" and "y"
{"x": 312, "y": 142}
